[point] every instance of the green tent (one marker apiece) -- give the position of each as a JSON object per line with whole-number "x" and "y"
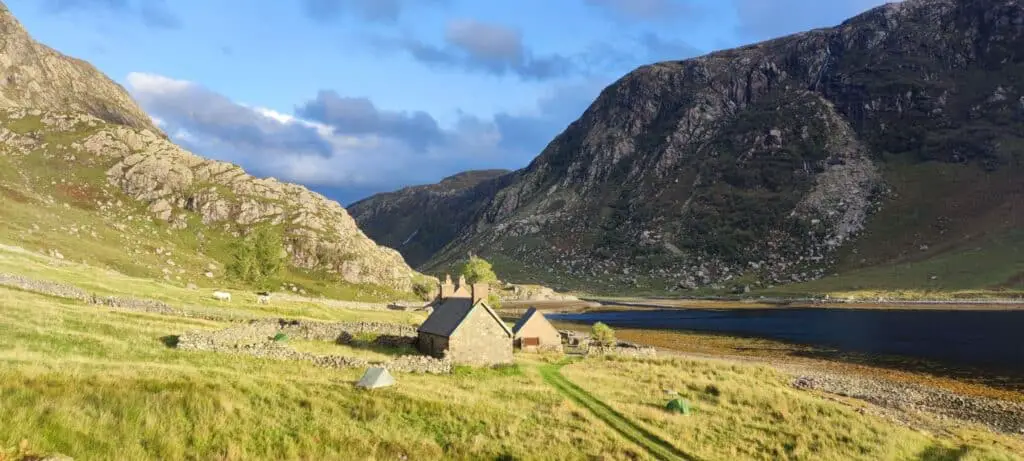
{"x": 678, "y": 406}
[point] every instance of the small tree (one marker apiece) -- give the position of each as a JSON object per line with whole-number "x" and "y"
{"x": 269, "y": 252}
{"x": 258, "y": 257}
{"x": 478, "y": 270}
{"x": 243, "y": 261}
{"x": 603, "y": 334}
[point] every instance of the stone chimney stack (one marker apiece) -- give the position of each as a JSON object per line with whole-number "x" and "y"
{"x": 447, "y": 288}
{"x": 478, "y": 292}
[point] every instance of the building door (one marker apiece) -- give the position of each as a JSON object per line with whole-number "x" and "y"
{"x": 531, "y": 342}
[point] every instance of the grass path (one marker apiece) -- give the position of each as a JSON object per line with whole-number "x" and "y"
{"x": 654, "y": 445}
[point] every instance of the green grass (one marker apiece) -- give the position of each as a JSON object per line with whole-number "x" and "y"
{"x": 746, "y": 412}
{"x": 993, "y": 268}
{"x": 653, "y": 444}
{"x": 95, "y": 383}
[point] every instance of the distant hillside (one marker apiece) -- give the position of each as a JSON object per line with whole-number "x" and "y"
{"x": 420, "y": 220}
{"x": 85, "y": 174}
{"x": 892, "y": 139}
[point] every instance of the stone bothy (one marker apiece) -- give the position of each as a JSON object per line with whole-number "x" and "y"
{"x": 533, "y": 333}
{"x": 464, "y": 329}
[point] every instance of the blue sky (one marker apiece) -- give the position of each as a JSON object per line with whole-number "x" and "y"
{"x": 353, "y": 97}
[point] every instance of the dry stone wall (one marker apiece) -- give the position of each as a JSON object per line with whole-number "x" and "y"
{"x": 256, "y": 338}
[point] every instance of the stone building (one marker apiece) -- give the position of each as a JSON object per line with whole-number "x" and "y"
{"x": 463, "y": 328}
{"x": 533, "y": 333}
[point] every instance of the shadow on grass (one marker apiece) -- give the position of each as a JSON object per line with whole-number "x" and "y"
{"x": 940, "y": 453}
{"x": 171, "y": 341}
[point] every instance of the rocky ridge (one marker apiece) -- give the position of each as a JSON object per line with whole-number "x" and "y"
{"x": 763, "y": 164}
{"x": 38, "y": 77}
{"x": 190, "y": 192}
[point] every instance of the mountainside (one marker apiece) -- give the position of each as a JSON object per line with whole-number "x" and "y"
{"x": 894, "y": 138}
{"x": 420, "y": 220}
{"x": 35, "y": 76}
{"x": 85, "y": 174}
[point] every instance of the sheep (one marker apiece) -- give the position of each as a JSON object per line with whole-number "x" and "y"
{"x": 263, "y": 297}
{"x": 222, "y": 296}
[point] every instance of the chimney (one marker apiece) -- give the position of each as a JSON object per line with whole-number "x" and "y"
{"x": 478, "y": 292}
{"x": 447, "y": 289}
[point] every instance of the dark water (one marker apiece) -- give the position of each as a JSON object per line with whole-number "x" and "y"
{"x": 991, "y": 340}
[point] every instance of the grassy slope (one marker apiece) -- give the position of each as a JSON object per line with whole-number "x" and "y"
{"x": 743, "y": 412}
{"x": 49, "y": 195}
{"x": 100, "y": 384}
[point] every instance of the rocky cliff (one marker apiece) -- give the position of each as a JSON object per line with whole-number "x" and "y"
{"x": 776, "y": 162}
{"x": 71, "y": 136}
{"x": 420, "y": 220}
{"x": 35, "y": 76}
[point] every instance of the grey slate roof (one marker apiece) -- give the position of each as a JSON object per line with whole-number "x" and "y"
{"x": 525, "y": 318}
{"x": 448, "y": 315}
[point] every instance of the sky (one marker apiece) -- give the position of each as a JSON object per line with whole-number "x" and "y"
{"x": 355, "y": 97}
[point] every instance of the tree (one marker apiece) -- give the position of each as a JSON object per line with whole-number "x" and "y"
{"x": 269, "y": 252}
{"x": 258, "y": 257}
{"x": 603, "y": 334}
{"x": 478, "y": 270}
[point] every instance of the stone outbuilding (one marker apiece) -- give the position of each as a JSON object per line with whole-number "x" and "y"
{"x": 533, "y": 333}
{"x": 463, "y": 328}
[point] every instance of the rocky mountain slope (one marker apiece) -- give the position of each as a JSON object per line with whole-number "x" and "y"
{"x": 420, "y": 220}
{"x": 891, "y": 138}
{"x": 35, "y": 76}
{"x": 84, "y": 173}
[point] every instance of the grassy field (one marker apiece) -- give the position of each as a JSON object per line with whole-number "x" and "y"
{"x": 96, "y": 383}
{"x": 746, "y": 412}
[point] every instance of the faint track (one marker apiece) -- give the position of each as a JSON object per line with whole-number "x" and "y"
{"x": 654, "y": 445}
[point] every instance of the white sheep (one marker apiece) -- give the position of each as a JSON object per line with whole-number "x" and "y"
{"x": 263, "y": 298}
{"x": 222, "y": 296}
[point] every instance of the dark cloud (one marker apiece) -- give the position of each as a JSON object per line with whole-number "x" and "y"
{"x": 348, "y": 146}
{"x": 199, "y": 112}
{"x": 359, "y": 116}
{"x": 153, "y": 13}
{"x": 764, "y": 19}
{"x": 386, "y": 11}
{"x": 483, "y": 47}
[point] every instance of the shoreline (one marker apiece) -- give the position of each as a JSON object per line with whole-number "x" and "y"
{"x": 913, "y": 396}
{"x": 696, "y": 303}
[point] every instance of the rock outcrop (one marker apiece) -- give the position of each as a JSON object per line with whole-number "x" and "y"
{"x": 765, "y": 162}
{"x": 35, "y": 76}
{"x": 63, "y": 123}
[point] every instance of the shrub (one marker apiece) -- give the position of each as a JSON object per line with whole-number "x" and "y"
{"x": 423, "y": 289}
{"x": 478, "y": 270}
{"x": 603, "y": 334}
{"x": 494, "y": 301}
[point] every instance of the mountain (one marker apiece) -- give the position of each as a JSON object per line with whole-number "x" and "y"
{"x": 85, "y": 174}
{"x": 892, "y": 139}
{"x": 35, "y": 76}
{"x": 420, "y": 220}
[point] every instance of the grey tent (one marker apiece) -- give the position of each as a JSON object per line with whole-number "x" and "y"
{"x": 376, "y": 377}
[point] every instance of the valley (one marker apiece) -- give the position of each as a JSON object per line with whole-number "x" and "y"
{"x": 810, "y": 247}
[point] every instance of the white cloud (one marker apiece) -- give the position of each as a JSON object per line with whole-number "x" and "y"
{"x": 335, "y": 141}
